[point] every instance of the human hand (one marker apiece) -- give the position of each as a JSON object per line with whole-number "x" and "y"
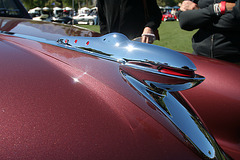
{"x": 222, "y": 7}
{"x": 148, "y": 35}
{"x": 229, "y": 6}
{"x": 188, "y": 5}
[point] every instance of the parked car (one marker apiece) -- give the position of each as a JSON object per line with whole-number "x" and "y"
{"x": 64, "y": 20}
{"x": 169, "y": 17}
{"x": 89, "y": 18}
{"x": 70, "y": 93}
{"x": 85, "y": 19}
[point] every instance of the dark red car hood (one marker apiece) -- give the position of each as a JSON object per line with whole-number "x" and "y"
{"x": 217, "y": 101}
{"x": 45, "y": 30}
{"x": 54, "y": 105}
{"x": 62, "y": 104}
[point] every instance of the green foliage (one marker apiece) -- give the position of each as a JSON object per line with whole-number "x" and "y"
{"x": 95, "y": 28}
{"x": 173, "y": 37}
{"x": 168, "y": 2}
{"x": 29, "y": 4}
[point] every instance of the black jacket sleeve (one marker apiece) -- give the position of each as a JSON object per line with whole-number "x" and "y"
{"x": 101, "y": 16}
{"x": 194, "y": 19}
{"x": 155, "y": 15}
{"x": 236, "y": 10}
{"x": 206, "y": 18}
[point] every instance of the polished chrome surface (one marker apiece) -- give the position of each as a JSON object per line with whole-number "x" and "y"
{"x": 142, "y": 58}
{"x": 175, "y": 87}
{"x": 120, "y": 48}
{"x": 146, "y": 58}
{"x": 139, "y": 56}
{"x": 186, "y": 122}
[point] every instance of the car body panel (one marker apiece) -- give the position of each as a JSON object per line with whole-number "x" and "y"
{"x": 48, "y": 31}
{"x": 47, "y": 114}
{"x": 74, "y": 105}
{"x": 217, "y": 101}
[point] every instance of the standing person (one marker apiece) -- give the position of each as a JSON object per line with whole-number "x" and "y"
{"x": 219, "y": 27}
{"x": 133, "y": 18}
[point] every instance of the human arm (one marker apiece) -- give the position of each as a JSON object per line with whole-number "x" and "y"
{"x": 188, "y": 5}
{"x": 154, "y": 18}
{"x": 148, "y": 35}
{"x": 102, "y": 17}
{"x": 236, "y": 10}
{"x": 229, "y": 6}
{"x": 192, "y": 17}
{"x": 155, "y": 15}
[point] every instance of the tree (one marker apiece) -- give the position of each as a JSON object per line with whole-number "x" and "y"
{"x": 29, "y": 4}
{"x": 168, "y": 2}
{"x": 161, "y": 3}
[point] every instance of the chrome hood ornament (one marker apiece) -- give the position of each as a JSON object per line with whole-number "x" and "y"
{"x": 161, "y": 64}
{"x": 119, "y": 47}
{"x": 154, "y": 72}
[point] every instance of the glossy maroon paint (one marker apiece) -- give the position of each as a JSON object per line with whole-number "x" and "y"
{"x": 61, "y": 104}
{"x": 217, "y": 100}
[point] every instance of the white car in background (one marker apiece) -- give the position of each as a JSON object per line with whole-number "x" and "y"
{"x": 89, "y": 18}
{"x": 85, "y": 19}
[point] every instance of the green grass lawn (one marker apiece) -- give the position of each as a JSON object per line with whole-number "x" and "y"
{"x": 171, "y": 36}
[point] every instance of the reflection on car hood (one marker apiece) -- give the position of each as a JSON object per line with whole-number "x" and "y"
{"x": 46, "y": 30}
{"x": 95, "y": 89}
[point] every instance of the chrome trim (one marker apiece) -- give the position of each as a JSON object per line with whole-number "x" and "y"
{"x": 116, "y": 47}
{"x": 120, "y": 48}
{"x": 138, "y": 56}
{"x": 187, "y": 82}
{"x": 175, "y": 87}
{"x": 190, "y": 129}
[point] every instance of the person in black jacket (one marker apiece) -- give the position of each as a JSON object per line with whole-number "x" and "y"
{"x": 236, "y": 9}
{"x": 219, "y": 27}
{"x": 133, "y": 18}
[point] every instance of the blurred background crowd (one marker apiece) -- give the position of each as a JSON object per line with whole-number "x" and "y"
{"x": 84, "y": 11}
